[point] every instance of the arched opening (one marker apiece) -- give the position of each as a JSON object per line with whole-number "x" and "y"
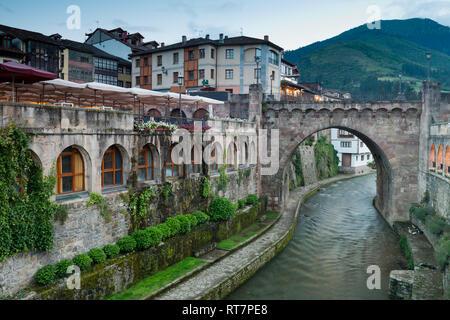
{"x": 176, "y": 114}
{"x": 70, "y": 172}
{"x": 433, "y": 157}
{"x": 447, "y": 160}
{"x": 253, "y": 153}
{"x": 214, "y": 166}
{"x": 147, "y": 163}
{"x": 173, "y": 170}
{"x": 112, "y": 168}
{"x": 201, "y": 114}
{"x": 232, "y": 157}
{"x": 196, "y": 166}
{"x": 440, "y": 158}
{"x": 154, "y": 113}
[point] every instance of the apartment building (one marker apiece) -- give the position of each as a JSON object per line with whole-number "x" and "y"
{"x": 354, "y": 155}
{"x": 226, "y": 64}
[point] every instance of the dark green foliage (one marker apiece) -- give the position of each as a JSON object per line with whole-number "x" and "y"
{"x": 221, "y": 209}
{"x": 62, "y": 266}
{"x": 443, "y": 251}
{"x": 438, "y": 225}
{"x": 165, "y": 231}
{"x": 327, "y": 161}
{"x": 185, "y": 224}
{"x": 143, "y": 240}
{"x": 127, "y": 244}
{"x": 46, "y": 275}
{"x": 242, "y": 203}
{"x": 426, "y": 198}
{"x": 192, "y": 220}
{"x": 407, "y": 252}
{"x": 97, "y": 199}
{"x": 252, "y": 200}
{"x": 26, "y": 210}
{"x": 372, "y": 165}
{"x": 423, "y": 212}
{"x": 83, "y": 261}
{"x": 297, "y": 161}
{"x": 206, "y": 187}
{"x": 155, "y": 235}
{"x": 174, "y": 226}
{"x": 111, "y": 250}
{"x": 97, "y": 255}
{"x": 201, "y": 217}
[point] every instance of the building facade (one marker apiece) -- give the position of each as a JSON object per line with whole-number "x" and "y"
{"x": 354, "y": 155}
{"x": 226, "y": 64}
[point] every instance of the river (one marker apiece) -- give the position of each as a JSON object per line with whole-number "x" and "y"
{"x": 338, "y": 236}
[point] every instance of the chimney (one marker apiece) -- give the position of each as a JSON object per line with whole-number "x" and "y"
{"x": 162, "y": 44}
{"x": 226, "y": 37}
{"x": 207, "y": 37}
{"x": 221, "y": 38}
{"x": 266, "y": 38}
{"x": 184, "y": 39}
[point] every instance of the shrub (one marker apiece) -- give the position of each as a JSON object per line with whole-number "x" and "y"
{"x": 165, "y": 231}
{"x": 97, "y": 255}
{"x": 242, "y": 203}
{"x": 83, "y": 261}
{"x": 421, "y": 213}
{"x": 111, "y": 250}
{"x": 437, "y": 225}
{"x": 127, "y": 244}
{"x": 46, "y": 275}
{"x": 155, "y": 235}
{"x": 443, "y": 251}
{"x": 201, "y": 217}
{"x": 61, "y": 268}
{"x": 252, "y": 200}
{"x": 221, "y": 209}
{"x": 185, "y": 224}
{"x": 174, "y": 226}
{"x": 143, "y": 240}
{"x": 192, "y": 220}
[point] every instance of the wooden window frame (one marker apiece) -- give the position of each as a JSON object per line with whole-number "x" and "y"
{"x": 173, "y": 165}
{"x": 60, "y": 175}
{"x": 146, "y": 166}
{"x": 113, "y": 170}
{"x": 195, "y": 168}
{"x": 214, "y": 167}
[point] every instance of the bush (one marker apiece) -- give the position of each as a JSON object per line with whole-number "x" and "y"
{"x": 97, "y": 255}
{"x": 61, "y": 268}
{"x": 221, "y": 209}
{"x": 155, "y": 235}
{"x": 111, "y": 250}
{"x": 83, "y": 261}
{"x": 252, "y": 200}
{"x": 421, "y": 213}
{"x": 185, "y": 224}
{"x": 201, "y": 217}
{"x": 174, "y": 226}
{"x": 143, "y": 240}
{"x": 437, "y": 225}
{"x": 192, "y": 220}
{"x": 443, "y": 251}
{"x": 46, "y": 275}
{"x": 242, "y": 203}
{"x": 165, "y": 231}
{"x": 127, "y": 244}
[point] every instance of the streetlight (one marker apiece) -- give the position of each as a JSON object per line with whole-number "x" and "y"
{"x": 180, "y": 84}
{"x": 272, "y": 77}
{"x": 258, "y": 61}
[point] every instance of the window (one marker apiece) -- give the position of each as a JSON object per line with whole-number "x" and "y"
{"x": 362, "y": 158}
{"x": 212, "y": 73}
{"x": 229, "y": 90}
{"x": 159, "y": 79}
{"x": 191, "y": 75}
{"x": 128, "y": 70}
{"x": 159, "y": 60}
{"x": 362, "y": 145}
{"x": 201, "y": 54}
{"x": 232, "y": 157}
{"x": 191, "y": 55}
{"x": 368, "y": 157}
{"x": 229, "y": 74}
{"x": 145, "y": 80}
{"x": 175, "y": 77}
{"x": 229, "y": 54}
{"x": 213, "y": 167}
{"x": 213, "y": 54}
{"x": 273, "y": 57}
{"x": 347, "y": 144}
{"x": 145, "y": 62}
{"x": 195, "y": 167}
{"x": 62, "y": 61}
{"x": 70, "y": 171}
{"x": 112, "y": 172}
{"x": 172, "y": 170}
{"x": 175, "y": 58}
{"x": 120, "y": 70}
{"x": 120, "y": 83}
{"x": 257, "y": 53}
{"x": 138, "y": 63}
{"x": 201, "y": 74}
{"x": 138, "y": 81}
{"x": 128, "y": 85}
{"x": 145, "y": 165}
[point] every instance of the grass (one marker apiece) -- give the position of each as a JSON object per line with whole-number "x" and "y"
{"x": 158, "y": 280}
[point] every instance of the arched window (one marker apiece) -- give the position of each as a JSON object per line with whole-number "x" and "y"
{"x": 112, "y": 168}
{"x": 433, "y": 157}
{"x": 246, "y": 155}
{"x": 447, "y": 159}
{"x": 176, "y": 114}
{"x": 154, "y": 113}
{"x": 70, "y": 171}
{"x": 213, "y": 167}
{"x": 172, "y": 169}
{"x": 440, "y": 161}
{"x": 232, "y": 159}
{"x": 196, "y": 166}
{"x": 201, "y": 114}
{"x": 146, "y": 165}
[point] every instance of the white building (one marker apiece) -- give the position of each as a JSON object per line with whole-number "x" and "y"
{"x": 354, "y": 155}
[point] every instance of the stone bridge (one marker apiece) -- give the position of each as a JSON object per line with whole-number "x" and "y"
{"x": 391, "y": 130}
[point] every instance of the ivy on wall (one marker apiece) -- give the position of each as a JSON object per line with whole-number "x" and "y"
{"x": 327, "y": 161}
{"x": 26, "y": 211}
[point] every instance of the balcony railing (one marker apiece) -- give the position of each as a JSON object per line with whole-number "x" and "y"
{"x": 141, "y": 119}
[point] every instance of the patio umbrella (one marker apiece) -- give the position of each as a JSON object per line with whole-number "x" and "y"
{"x": 13, "y": 71}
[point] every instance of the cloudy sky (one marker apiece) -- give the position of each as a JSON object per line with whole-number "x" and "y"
{"x": 290, "y": 23}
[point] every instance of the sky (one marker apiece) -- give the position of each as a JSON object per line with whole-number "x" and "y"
{"x": 289, "y": 23}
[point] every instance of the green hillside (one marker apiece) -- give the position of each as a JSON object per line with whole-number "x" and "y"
{"x": 368, "y": 62}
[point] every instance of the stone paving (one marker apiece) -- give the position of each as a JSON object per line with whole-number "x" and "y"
{"x": 202, "y": 283}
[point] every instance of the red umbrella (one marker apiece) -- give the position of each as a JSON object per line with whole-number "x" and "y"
{"x": 13, "y": 71}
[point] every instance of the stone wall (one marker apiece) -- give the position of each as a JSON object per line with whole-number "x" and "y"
{"x": 308, "y": 164}
{"x": 439, "y": 188}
